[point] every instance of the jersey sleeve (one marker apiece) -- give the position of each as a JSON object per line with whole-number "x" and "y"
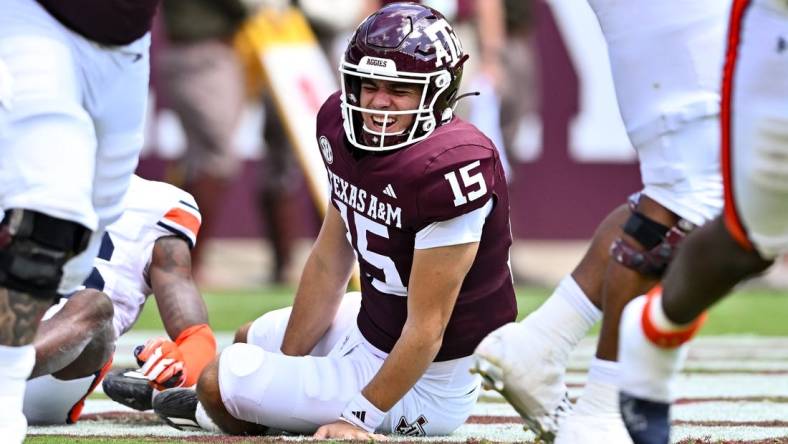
{"x": 182, "y": 219}
{"x": 456, "y": 182}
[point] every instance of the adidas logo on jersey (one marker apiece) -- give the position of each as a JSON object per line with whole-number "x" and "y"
{"x": 359, "y": 414}
{"x": 389, "y": 191}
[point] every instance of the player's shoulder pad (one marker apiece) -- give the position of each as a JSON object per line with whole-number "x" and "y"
{"x": 458, "y": 178}
{"x": 331, "y": 107}
{"x": 176, "y": 210}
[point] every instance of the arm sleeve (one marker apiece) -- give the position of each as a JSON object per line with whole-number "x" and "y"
{"x": 183, "y": 219}
{"x": 462, "y": 229}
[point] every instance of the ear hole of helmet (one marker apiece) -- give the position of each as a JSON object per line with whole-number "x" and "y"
{"x": 443, "y": 80}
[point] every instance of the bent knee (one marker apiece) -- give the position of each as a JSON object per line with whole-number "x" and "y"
{"x": 94, "y": 307}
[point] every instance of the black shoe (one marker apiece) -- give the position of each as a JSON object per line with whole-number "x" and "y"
{"x": 177, "y": 407}
{"x": 129, "y": 387}
{"x": 647, "y": 422}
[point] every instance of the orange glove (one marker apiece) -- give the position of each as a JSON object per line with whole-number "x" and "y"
{"x": 161, "y": 362}
{"x": 168, "y": 364}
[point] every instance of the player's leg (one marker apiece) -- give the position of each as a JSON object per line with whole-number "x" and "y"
{"x": 268, "y": 330}
{"x": 212, "y": 406}
{"x": 46, "y": 167}
{"x": 673, "y": 201}
{"x": 711, "y": 262}
{"x": 731, "y": 248}
{"x": 76, "y": 337}
{"x": 597, "y": 407}
{"x": 74, "y": 343}
{"x": 247, "y": 387}
{"x": 548, "y": 335}
{"x": 53, "y": 400}
{"x": 118, "y": 113}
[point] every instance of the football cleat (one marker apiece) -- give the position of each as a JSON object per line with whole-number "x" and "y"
{"x": 593, "y": 429}
{"x": 648, "y": 422}
{"x": 178, "y": 408}
{"x": 129, "y": 387}
{"x": 528, "y": 373}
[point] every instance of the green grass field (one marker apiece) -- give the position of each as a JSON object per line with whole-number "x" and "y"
{"x": 745, "y": 312}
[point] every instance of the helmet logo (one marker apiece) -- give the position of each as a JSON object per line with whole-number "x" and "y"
{"x": 376, "y": 65}
{"x": 447, "y": 46}
{"x": 325, "y": 148}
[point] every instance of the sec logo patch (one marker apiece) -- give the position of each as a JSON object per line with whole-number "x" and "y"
{"x": 325, "y": 148}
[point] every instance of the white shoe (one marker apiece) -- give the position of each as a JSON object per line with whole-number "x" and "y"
{"x": 593, "y": 429}
{"x": 519, "y": 363}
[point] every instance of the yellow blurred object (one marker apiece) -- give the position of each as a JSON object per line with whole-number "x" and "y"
{"x": 281, "y": 53}
{"x": 269, "y": 27}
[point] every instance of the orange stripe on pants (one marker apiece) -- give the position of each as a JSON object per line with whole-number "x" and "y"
{"x": 731, "y": 217}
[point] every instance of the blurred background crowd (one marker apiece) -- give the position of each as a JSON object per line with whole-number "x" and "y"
{"x": 222, "y": 124}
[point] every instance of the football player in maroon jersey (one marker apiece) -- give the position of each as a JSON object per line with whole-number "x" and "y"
{"x": 418, "y": 199}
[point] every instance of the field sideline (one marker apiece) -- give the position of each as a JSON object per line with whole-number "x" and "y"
{"x": 734, "y": 388}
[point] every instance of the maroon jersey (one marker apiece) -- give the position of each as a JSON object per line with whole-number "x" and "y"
{"x": 385, "y": 199}
{"x": 109, "y": 22}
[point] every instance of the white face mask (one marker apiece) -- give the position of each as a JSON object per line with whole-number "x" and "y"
{"x": 424, "y": 123}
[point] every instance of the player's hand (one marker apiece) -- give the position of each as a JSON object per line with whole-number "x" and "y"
{"x": 345, "y": 430}
{"x": 161, "y": 362}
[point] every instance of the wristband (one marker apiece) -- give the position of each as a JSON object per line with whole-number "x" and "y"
{"x": 198, "y": 347}
{"x": 362, "y": 413}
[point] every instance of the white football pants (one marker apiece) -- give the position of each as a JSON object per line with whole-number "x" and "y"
{"x": 755, "y": 125}
{"x": 299, "y": 394}
{"x": 71, "y": 122}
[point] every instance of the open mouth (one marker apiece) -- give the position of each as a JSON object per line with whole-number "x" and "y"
{"x": 378, "y": 122}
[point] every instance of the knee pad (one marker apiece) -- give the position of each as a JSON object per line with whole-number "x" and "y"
{"x": 660, "y": 243}
{"x": 33, "y": 249}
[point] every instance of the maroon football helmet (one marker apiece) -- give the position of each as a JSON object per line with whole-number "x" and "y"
{"x": 409, "y": 43}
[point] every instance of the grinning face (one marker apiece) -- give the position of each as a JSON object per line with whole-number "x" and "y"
{"x": 384, "y": 95}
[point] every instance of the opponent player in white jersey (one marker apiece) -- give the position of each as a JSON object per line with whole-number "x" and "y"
{"x": 146, "y": 251}
{"x": 741, "y": 243}
{"x": 73, "y": 96}
{"x": 665, "y": 58}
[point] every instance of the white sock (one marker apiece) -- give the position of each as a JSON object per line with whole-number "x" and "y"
{"x": 647, "y": 370}
{"x": 204, "y": 420}
{"x": 17, "y": 364}
{"x": 567, "y": 314}
{"x": 660, "y": 320}
{"x": 600, "y": 396}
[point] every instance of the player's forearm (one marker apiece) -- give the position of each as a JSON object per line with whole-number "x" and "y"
{"x": 409, "y": 359}
{"x": 323, "y": 283}
{"x": 180, "y": 303}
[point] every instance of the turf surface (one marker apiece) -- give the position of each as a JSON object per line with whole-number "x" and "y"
{"x": 745, "y": 312}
